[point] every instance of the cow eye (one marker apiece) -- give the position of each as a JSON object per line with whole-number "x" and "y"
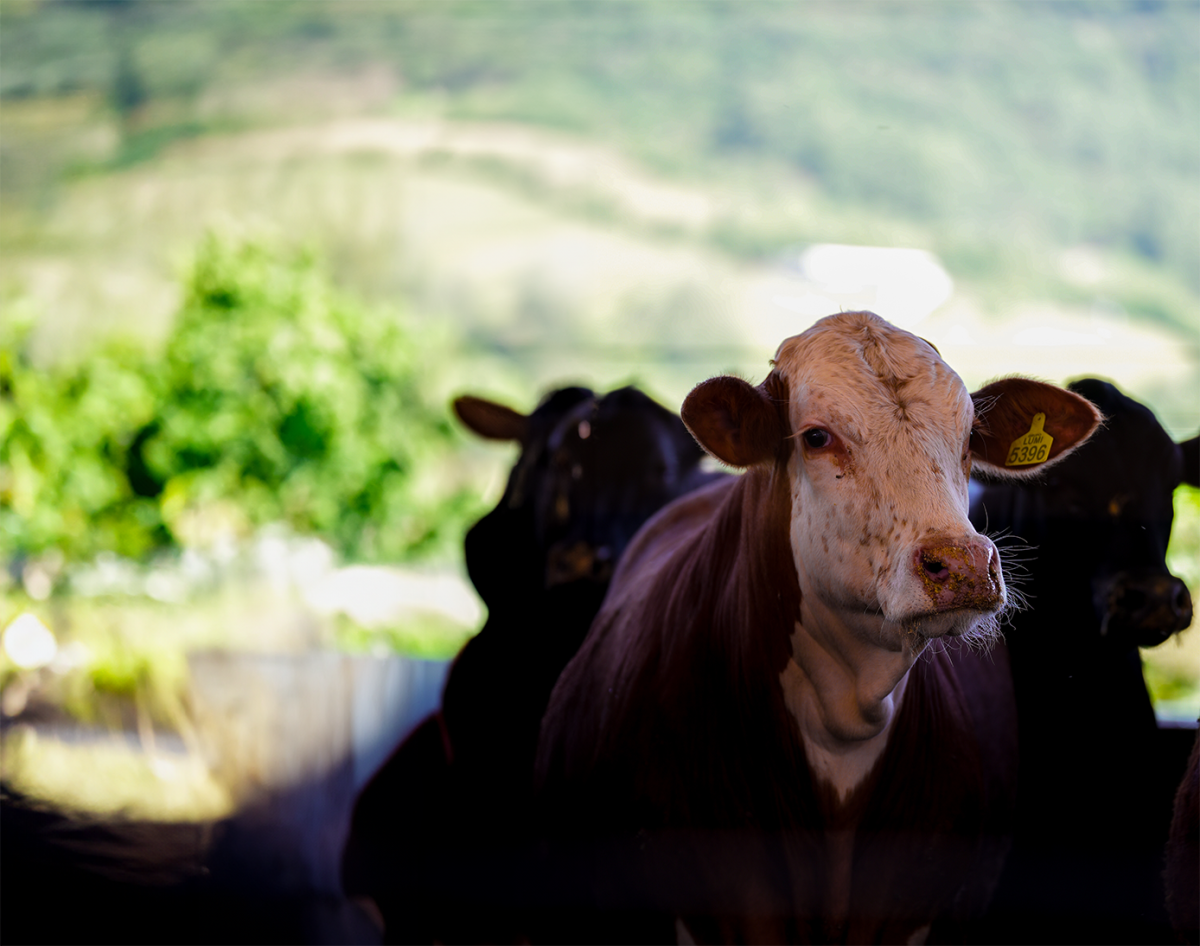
{"x": 818, "y": 437}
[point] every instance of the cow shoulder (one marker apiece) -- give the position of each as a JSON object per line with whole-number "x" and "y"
{"x": 640, "y": 584}
{"x": 668, "y": 530}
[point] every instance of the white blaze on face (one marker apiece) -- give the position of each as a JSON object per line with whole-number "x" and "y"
{"x": 879, "y": 473}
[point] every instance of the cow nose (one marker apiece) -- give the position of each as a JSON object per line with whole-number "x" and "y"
{"x": 1153, "y": 607}
{"x": 1181, "y": 603}
{"x": 960, "y": 574}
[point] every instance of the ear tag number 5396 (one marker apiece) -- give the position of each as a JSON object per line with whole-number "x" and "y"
{"x": 1033, "y": 447}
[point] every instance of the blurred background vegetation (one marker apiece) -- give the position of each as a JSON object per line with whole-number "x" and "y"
{"x": 249, "y": 251}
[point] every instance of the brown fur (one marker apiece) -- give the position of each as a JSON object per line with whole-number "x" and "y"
{"x": 672, "y": 769}
{"x": 667, "y": 735}
{"x": 1005, "y": 408}
{"x": 491, "y": 420}
{"x": 1182, "y": 874}
{"x": 736, "y": 423}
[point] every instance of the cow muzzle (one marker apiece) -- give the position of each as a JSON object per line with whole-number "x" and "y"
{"x": 960, "y": 574}
{"x": 1145, "y": 609}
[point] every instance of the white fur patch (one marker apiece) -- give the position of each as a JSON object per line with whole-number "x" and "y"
{"x": 903, "y": 417}
{"x": 885, "y": 479}
{"x": 842, "y": 763}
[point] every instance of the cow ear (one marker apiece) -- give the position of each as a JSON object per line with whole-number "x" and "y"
{"x": 1191, "y": 461}
{"x": 491, "y": 420}
{"x": 1016, "y": 417}
{"x": 735, "y": 422}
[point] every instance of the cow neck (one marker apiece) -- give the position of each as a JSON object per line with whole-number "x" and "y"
{"x": 844, "y": 691}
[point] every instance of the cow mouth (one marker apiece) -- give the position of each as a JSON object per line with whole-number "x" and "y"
{"x": 1145, "y": 608}
{"x": 958, "y": 589}
{"x": 966, "y": 623}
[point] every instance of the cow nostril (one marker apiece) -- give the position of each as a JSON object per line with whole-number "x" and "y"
{"x": 1181, "y": 600}
{"x": 959, "y": 574}
{"x": 935, "y": 569}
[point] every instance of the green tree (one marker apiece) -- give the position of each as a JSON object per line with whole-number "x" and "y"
{"x": 64, "y": 444}
{"x": 276, "y": 399}
{"x": 302, "y": 406}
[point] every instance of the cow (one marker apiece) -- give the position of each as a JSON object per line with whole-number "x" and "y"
{"x": 1097, "y": 773}
{"x": 438, "y": 831}
{"x": 783, "y": 725}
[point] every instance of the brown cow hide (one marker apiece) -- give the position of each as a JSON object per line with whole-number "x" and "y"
{"x": 734, "y": 835}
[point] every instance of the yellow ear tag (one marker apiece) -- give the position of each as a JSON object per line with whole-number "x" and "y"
{"x": 1033, "y": 447}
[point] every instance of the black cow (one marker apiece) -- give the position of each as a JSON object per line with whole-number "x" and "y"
{"x": 437, "y": 836}
{"x": 1095, "y": 770}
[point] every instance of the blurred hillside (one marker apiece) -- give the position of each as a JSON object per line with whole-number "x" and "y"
{"x": 1043, "y": 152}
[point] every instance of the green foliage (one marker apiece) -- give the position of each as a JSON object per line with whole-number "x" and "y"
{"x": 275, "y": 400}
{"x": 1183, "y": 553}
{"x": 64, "y": 447}
{"x": 303, "y": 406}
{"x": 1167, "y": 683}
{"x": 428, "y": 638}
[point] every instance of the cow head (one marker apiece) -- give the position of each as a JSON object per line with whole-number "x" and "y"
{"x": 877, "y": 437}
{"x": 1101, "y": 521}
{"x": 612, "y": 464}
{"x": 591, "y": 471}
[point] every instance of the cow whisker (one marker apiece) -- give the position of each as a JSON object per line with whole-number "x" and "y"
{"x": 1013, "y": 559}
{"x": 984, "y": 635}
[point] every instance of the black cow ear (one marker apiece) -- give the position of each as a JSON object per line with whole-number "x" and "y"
{"x": 1022, "y": 425}
{"x": 735, "y": 422}
{"x": 491, "y": 420}
{"x": 1191, "y": 461}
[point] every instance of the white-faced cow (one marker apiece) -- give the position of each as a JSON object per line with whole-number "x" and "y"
{"x": 439, "y": 834}
{"x": 1097, "y": 774}
{"x": 782, "y": 726}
